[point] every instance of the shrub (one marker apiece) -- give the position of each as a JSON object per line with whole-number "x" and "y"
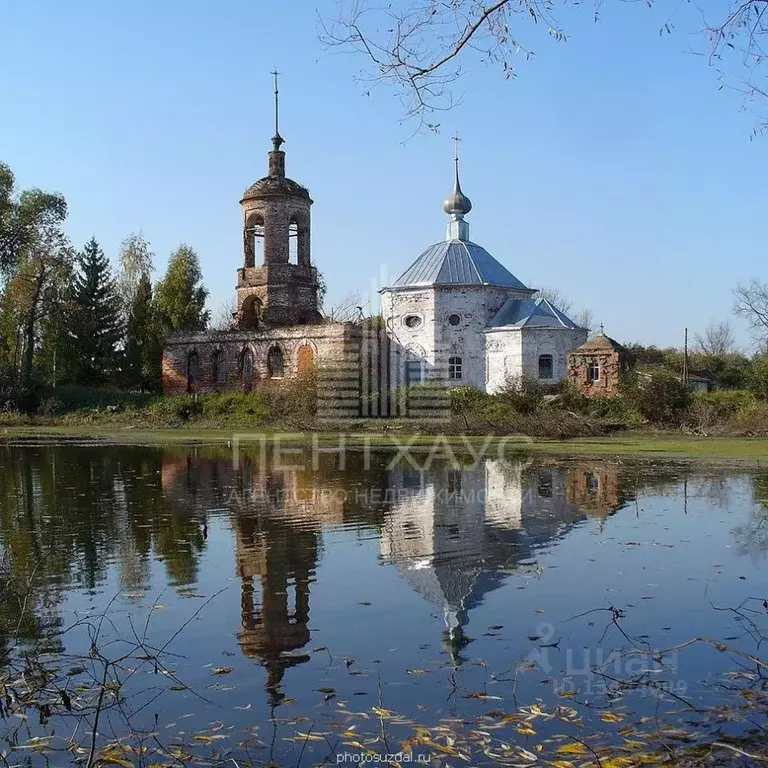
{"x": 523, "y": 394}
{"x": 725, "y": 403}
{"x": 758, "y": 376}
{"x": 50, "y": 406}
{"x": 658, "y": 395}
{"x": 16, "y": 395}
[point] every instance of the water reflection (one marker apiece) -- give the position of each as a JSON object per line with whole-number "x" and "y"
{"x": 71, "y": 516}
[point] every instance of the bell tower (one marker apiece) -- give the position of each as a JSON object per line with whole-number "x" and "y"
{"x": 277, "y": 284}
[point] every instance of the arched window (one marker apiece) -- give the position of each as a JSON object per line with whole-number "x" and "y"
{"x": 546, "y": 367}
{"x": 246, "y": 369}
{"x": 219, "y": 366}
{"x": 275, "y": 362}
{"x": 193, "y": 372}
{"x": 293, "y": 242}
{"x": 454, "y": 367}
{"x": 250, "y": 314}
{"x": 254, "y": 240}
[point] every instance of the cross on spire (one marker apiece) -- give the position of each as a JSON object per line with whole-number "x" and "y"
{"x": 456, "y": 141}
{"x": 277, "y": 139}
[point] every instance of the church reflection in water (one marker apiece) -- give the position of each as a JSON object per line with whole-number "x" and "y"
{"x": 454, "y": 534}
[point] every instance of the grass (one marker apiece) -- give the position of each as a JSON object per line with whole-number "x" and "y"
{"x": 670, "y": 445}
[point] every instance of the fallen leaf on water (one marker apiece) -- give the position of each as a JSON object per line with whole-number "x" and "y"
{"x": 574, "y": 748}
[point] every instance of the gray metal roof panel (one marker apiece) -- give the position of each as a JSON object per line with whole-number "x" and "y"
{"x": 531, "y": 313}
{"x": 457, "y": 262}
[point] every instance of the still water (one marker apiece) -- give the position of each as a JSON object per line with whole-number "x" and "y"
{"x": 311, "y": 607}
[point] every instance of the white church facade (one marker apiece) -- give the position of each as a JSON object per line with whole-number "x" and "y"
{"x": 460, "y": 318}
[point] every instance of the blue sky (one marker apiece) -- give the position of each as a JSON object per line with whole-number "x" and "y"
{"x": 612, "y": 168}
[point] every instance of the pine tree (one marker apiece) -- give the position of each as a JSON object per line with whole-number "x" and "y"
{"x": 97, "y": 327}
{"x": 180, "y": 296}
{"x": 143, "y": 352}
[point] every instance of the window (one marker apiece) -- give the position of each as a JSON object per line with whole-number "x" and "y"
{"x": 454, "y": 482}
{"x": 250, "y": 313}
{"x": 275, "y": 363}
{"x": 593, "y": 371}
{"x": 254, "y": 241}
{"x": 246, "y": 367}
{"x": 454, "y": 319}
{"x": 545, "y": 484}
{"x": 219, "y": 365}
{"x": 546, "y": 366}
{"x": 454, "y": 367}
{"x": 412, "y": 321}
{"x": 305, "y": 359}
{"x": 413, "y": 372}
{"x": 592, "y": 483}
{"x": 193, "y": 371}
{"x": 293, "y": 242}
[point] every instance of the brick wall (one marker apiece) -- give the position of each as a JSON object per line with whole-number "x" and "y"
{"x": 611, "y": 367}
{"x": 333, "y": 344}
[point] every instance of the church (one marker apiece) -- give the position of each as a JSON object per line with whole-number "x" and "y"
{"x": 455, "y": 317}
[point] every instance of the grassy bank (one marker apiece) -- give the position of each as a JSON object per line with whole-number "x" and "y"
{"x": 651, "y": 444}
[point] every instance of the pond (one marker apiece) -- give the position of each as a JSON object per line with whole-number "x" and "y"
{"x": 260, "y": 605}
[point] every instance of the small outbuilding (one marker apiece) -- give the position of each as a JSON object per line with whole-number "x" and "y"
{"x": 597, "y": 366}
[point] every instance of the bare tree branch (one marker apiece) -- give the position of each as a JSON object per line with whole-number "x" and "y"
{"x": 418, "y": 47}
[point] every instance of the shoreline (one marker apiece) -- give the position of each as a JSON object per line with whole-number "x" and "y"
{"x": 670, "y": 445}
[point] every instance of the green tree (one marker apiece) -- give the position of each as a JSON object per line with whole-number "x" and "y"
{"x": 136, "y": 261}
{"x": 97, "y": 325}
{"x": 35, "y": 292}
{"x": 180, "y": 296}
{"x": 758, "y": 375}
{"x": 143, "y": 351}
{"x": 23, "y": 217}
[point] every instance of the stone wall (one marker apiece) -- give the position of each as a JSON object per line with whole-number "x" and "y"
{"x": 334, "y": 346}
{"x": 514, "y": 353}
{"x": 436, "y": 339}
{"x": 504, "y": 357}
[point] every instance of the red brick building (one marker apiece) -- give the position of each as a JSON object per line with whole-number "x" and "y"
{"x": 598, "y": 365}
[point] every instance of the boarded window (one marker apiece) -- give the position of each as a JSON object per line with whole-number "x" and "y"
{"x": 546, "y": 366}
{"x": 193, "y": 372}
{"x": 305, "y": 360}
{"x": 275, "y": 363}
{"x": 246, "y": 367}
{"x": 454, "y": 368}
{"x": 219, "y": 366}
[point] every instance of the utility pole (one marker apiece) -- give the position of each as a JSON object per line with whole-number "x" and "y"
{"x": 685, "y": 360}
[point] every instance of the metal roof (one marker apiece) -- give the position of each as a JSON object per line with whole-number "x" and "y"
{"x": 531, "y": 313}
{"x": 457, "y": 262}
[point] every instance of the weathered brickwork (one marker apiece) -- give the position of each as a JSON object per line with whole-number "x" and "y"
{"x": 237, "y": 360}
{"x": 282, "y": 290}
{"x": 597, "y": 366}
{"x": 280, "y": 328}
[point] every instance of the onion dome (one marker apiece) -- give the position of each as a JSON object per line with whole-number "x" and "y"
{"x": 458, "y": 204}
